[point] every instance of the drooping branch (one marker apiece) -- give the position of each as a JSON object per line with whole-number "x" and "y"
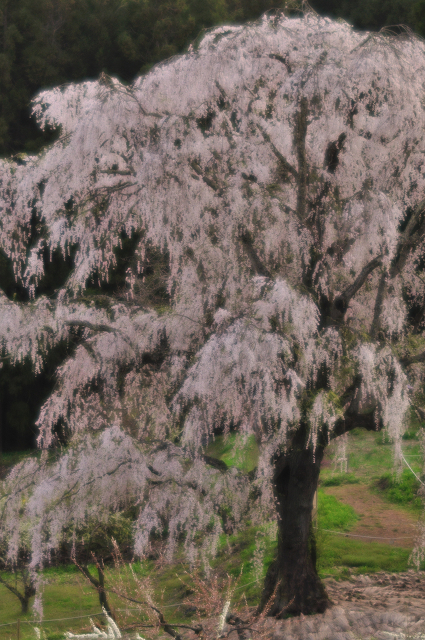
{"x": 419, "y": 411}
{"x": 78, "y": 486}
{"x": 355, "y": 419}
{"x": 12, "y": 589}
{"x": 97, "y": 328}
{"x": 170, "y": 480}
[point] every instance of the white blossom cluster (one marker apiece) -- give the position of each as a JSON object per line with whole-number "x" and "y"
{"x": 274, "y": 166}
{"x": 112, "y": 632}
{"x": 44, "y": 503}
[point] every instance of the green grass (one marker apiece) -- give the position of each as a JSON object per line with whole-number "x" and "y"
{"x": 68, "y": 595}
{"x": 370, "y": 456}
{"x": 402, "y": 491}
{"x": 338, "y": 479}
{"x": 65, "y": 595}
{"x": 235, "y": 450}
{"x": 333, "y": 514}
{"x": 337, "y": 555}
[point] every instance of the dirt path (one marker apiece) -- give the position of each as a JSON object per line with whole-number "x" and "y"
{"x": 377, "y": 518}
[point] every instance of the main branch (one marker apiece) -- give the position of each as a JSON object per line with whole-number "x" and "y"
{"x": 341, "y": 302}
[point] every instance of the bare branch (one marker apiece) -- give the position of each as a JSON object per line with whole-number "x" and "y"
{"x": 168, "y": 628}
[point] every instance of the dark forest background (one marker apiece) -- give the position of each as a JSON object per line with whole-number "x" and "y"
{"x": 45, "y": 43}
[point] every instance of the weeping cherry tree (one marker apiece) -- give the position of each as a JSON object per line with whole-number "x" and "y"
{"x": 276, "y": 173}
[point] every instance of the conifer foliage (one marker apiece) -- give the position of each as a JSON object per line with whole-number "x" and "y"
{"x": 276, "y": 172}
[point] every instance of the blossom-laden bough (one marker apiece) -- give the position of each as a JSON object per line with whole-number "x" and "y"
{"x": 278, "y": 170}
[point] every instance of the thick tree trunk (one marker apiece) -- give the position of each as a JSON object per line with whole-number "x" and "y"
{"x": 25, "y": 604}
{"x": 292, "y": 585}
{"x": 103, "y": 600}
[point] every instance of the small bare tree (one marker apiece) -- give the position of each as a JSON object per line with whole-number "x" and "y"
{"x": 22, "y": 585}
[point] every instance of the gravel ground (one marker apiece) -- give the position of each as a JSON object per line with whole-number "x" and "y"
{"x": 382, "y": 605}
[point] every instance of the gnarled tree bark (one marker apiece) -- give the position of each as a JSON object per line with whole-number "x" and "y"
{"x": 292, "y": 585}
